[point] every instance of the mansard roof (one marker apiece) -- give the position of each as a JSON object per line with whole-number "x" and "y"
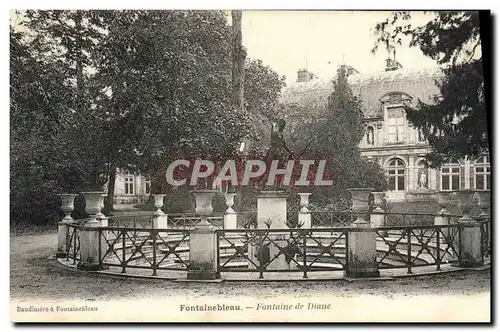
{"x": 370, "y": 88}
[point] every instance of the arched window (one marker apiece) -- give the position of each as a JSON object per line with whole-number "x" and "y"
{"x": 396, "y": 173}
{"x": 450, "y": 177}
{"x": 370, "y": 135}
{"x": 129, "y": 183}
{"x": 482, "y": 173}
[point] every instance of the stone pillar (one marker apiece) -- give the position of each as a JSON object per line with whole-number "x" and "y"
{"x": 412, "y": 173}
{"x": 67, "y": 205}
{"x": 442, "y": 217}
{"x": 377, "y": 218}
{"x": 160, "y": 219}
{"x": 362, "y": 250}
{"x": 271, "y": 214}
{"x": 230, "y": 216}
{"x": 304, "y": 216}
{"x": 89, "y": 246}
{"x": 203, "y": 249}
{"x": 469, "y": 232}
{"x": 484, "y": 203}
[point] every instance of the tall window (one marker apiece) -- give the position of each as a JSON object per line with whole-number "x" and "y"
{"x": 396, "y": 124}
{"x": 482, "y": 173}
{"x": 147, "y": 185}
{"x": 450, "y": 177}
{"x": 396, "y": 173}
{"x": 129, "y": 184}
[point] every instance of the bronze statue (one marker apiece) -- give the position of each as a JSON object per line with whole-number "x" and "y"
{"x": 278, "y": 151}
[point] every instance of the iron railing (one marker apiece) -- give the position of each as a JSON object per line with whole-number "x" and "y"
{"x": 275, "y": 250}
{"x": 281, "y": 250}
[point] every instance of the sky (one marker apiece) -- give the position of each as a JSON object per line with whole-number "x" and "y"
{"x": 284, "y": 39}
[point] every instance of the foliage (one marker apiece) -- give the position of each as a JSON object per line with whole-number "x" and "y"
{"x": 332, "y": 132}
{"x": 96, "y": 90}
{"x": 456, "y": 124}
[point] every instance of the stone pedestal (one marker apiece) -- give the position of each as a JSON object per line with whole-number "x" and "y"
{"x": 271, "y": 210}
{"x": 469, "y": 232}
{"x": 305, "y": 220}
{"x": 362, "y": 242}
{"x": 421, "y": 195}
{"x": 89, "y": 247}
{"x": 230, "y": 216}
{"x": 203, "y": 240}
{"x": 230, "y": 220}
{"x": 203, "y": 254}
{"x": 362, "y": 253}
{"x": 160, "y": 221}
{"x": 470, "y": 244}
{"x": 62, "y": 236}
{"x": 271, "y": 214}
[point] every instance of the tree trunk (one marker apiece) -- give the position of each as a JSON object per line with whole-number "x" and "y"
{"x": 79, "y": 63}
{"x": 111, "y": 188}
{"x": 238, "y": 78}
{"x": 238, "y": 56}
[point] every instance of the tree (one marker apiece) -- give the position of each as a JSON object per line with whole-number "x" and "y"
{"x": 332, "y": 131}
{"x": 456, "y": 124}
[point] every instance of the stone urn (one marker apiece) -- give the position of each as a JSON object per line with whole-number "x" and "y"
{"x": 159, "y": 203}
{"x": 204, "y": 206}
{"x": 229, "y": 202}
{"x": 100, "y": 215}
{"x": 304, "y": 202}
{"x": 443, "y": 198}
{"x": 67, "y": 205}
{"x": 465, "y": 203}
{"x": 378, "y": 199}
{"x": 360, "y": 205}
{"x": 484, "y": 203}
{"x": 93, "y": 204}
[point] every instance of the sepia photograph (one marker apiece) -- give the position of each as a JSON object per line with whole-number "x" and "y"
{"x": 250, "y": 166}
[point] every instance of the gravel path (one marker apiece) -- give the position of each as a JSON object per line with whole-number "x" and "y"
{"x": 33, "y": 276}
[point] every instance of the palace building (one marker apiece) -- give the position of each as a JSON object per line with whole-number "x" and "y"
{"x": 390, "y": 139}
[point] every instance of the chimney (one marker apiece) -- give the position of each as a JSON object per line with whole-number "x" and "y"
{"x": 303, "y": 75}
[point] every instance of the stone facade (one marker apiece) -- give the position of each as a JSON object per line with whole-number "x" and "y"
{"x": 131, "y": 188}
{"x": 390, "y": 140}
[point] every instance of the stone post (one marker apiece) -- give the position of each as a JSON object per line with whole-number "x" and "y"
{"x": 484, "y": 203}
{"x": 377, "y": 216}
{"x": 304, "y": 214}
{"x": 160, "y": 219}
{"x": 67, "y": 205}
{"x": 271, "y": 214}
{"x": 89, "y": 233}
{"x": 203, "y": 249}
{"x": 230, "y": 216}
{"x": 442, "y": 217}
{"x": 469, "y": 232}
{"x": 362, "y": 246}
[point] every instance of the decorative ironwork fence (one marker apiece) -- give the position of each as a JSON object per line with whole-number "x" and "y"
{"x": 72, "y": 243}
{"x": 155, "y": 250}
{"x": 274, "y": 250}
{"x": 414, "y": 246}
{"x": 281, "y": 250}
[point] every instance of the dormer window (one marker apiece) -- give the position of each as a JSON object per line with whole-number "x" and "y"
{"x": 395, "y": 124}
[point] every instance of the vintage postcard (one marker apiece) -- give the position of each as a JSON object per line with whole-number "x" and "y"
{"x": 250, "y": 166}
